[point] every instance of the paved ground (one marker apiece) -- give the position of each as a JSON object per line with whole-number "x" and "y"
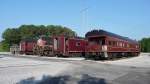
{"x": 141, "y": 61}
{"x": 43, "y": 70}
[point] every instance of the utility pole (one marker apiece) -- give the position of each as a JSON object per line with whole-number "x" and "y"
{"x": 84, "y": 18}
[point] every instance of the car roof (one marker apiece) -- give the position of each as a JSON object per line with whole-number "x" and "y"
{"x": 106, "y": 33}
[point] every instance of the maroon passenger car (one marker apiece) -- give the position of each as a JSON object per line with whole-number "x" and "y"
{"x": 110, "y": 45}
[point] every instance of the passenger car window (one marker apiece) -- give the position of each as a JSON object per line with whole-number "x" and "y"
{"x": 78, "y": 44}
{"x": 109, "y": 42}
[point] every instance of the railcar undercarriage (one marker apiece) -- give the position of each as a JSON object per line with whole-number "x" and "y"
{"x": 109, "y": 55}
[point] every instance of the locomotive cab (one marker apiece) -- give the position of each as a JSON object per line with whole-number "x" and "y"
{"x": 45, "y": 41}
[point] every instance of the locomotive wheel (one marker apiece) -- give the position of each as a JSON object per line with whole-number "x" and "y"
{"x": 35, "y": 50}
{"x": 38, "y": 50}
{"x": 51, "y": 53}
{"x": 46, "y": 53}
{"x": 97, "y": 57}
{"x": 109, "y": 56}
{"x": 46, "y": 48}
{"x": 41, "y": 51}
{"x": 113, "y": 56}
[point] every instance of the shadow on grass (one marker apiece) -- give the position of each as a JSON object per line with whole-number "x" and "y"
{"x": 85, "y": 79}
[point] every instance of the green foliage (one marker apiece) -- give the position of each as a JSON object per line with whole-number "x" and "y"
{"x": 4, "y": 46}
{"x": 58, "y": 30}
{"x": 36, "y": 31}
{"x": 14, "y": 35}
{"x": 145, "y": 45}
{"x": 11, "y": 36}
{"x": 1, "y": 49}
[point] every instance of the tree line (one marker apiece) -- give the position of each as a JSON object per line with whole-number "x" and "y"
{"x": 15, "y": 35}
{"x": 145, "y": 44}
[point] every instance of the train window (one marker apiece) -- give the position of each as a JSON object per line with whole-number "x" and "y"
{"x": 120, "y": 44}
{"x": 86, "y": 44}
{"x": 114, "y": 43}
{"x": 78, "y": 44}
{"x": 109, "y": 42}
{"x": 100, "y": 42}
{"x": 117, "y": 44}
{"x": 103, "y": 42}
{"x": 128, "y": 45}
{"x": 124, "y": 45}
{"x": 136, "y": 46}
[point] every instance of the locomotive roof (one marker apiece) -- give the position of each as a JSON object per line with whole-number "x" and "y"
{"x": 106, "y": 33}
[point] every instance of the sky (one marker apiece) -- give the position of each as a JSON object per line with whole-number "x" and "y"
{"x": 129, "y": 18}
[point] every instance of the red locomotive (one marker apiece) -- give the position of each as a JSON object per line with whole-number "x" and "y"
{"x": 96, "y": 44}
{"x": 55, "y": 46}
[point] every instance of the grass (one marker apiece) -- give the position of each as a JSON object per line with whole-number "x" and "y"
{"x": 1, "y": 49}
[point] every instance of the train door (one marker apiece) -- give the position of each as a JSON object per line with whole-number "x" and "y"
{"x": 59, "y": 45}
{"x": 55, "y": 44}
{"x": 104, "y": 47}
{"x": 101, "y": 41}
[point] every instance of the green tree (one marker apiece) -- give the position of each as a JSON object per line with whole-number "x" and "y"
{"x": 27, "y": 31}
{"x": 11, "y": 36}
{"x": 4, "y": 46}
{"x": 145, "y": 45}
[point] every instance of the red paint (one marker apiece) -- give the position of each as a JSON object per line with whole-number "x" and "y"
{"x": 76, "y": 45}
{"x": 26, "y": 46}
{"x": 67, "y": 45}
